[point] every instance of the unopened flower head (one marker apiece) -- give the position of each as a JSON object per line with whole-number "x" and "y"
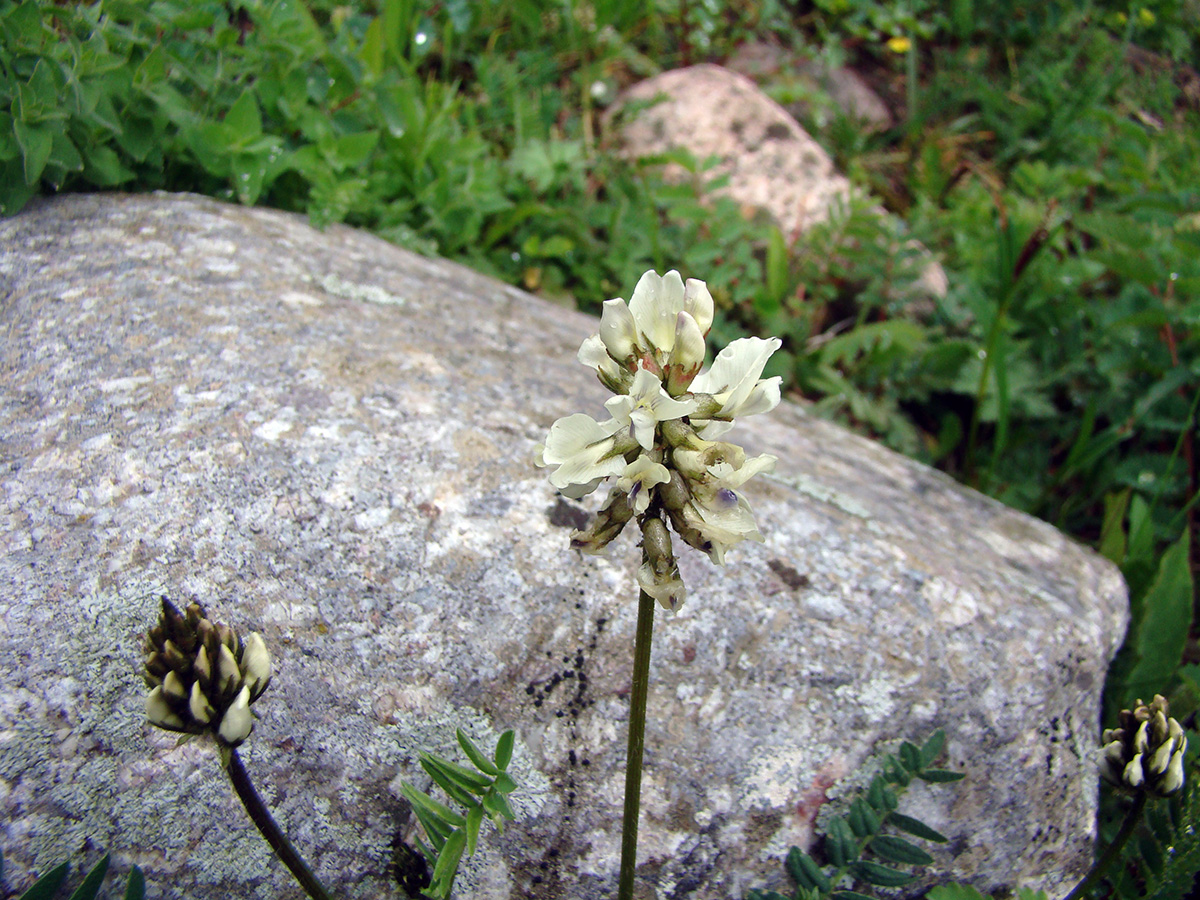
{"x": 659, "y": 443}
{"x": 1146, "y": 751}
{"x": 202, "y": 676}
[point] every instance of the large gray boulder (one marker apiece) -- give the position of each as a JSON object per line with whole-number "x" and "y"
{"x": 328, "y": 439}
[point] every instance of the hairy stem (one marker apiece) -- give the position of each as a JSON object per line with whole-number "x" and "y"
{"x": 1112, "y": 851}
{"x": 637, "y": 742}
{"x": 267, "y": 826}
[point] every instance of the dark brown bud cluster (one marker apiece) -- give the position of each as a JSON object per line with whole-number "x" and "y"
{"x": 202, "y": 676}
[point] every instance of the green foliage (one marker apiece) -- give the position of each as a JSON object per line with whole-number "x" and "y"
{"x": 871, "y": 842}
{"x": 47, "y": 887}
{"x": 480, "y": 792}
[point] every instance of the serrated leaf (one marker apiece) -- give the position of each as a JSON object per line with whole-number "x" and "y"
{"x": 476, "y": 756}
{"x": 882, "y": 876}
{"x": 90, "y": 886}
{"x": 941, "y": 776}
{"x": 932, "y": 748}
{"x": 47, "y": 886}
{"x": 135, "y": 888}
{"x": 916, "y": 827}
{"x": 898, "y": 850}
{"x": 805, "y": 871}
{"x": 504, "y": 749}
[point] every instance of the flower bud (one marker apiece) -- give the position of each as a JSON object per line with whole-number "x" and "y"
{"x": 1147, "y": 751}
{"x": 237, "y": 723}
{"x": 607, "y": 524}
{"x": 619, "y": 333}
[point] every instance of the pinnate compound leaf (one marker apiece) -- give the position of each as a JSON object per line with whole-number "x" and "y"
{"x": 883, "y": 876}
{"x": 460, "y": 775}
{"x": 899, "y": 850}
{"x": 476, "y": 756}
{"x": 916, "y": 827}
{"x": 47, "y": 886}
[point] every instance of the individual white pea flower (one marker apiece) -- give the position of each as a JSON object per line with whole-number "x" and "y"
{"x": 639, "y": 479}
{"x": 583, "y": 451}
{"x": 238, "y": 721}
{"x": 595, "y": 355}
{"x": 648, "y": 329}
{"x": 733, "y": 381}
{"x": 645, "y": 406}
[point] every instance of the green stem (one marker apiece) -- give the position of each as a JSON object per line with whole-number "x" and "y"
{"x": 1112, "y": 851}
{"x": 637, "y": 743}
{"x": 266, "y": 825}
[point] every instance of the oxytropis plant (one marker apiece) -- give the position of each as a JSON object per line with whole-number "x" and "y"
{"x": 661, "y": 446}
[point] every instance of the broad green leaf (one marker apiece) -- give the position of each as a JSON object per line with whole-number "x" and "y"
{"x": 135, "y": 889}
{"x": 882, "y": 876}
{"x": 47, "y": 886}
{"x": 1165, "y": 621}
{"x": 91, "y": 884}
{"x": 36, "y": 142}
{"x": 898, "y": 850}
{"x": 504, "y": 783}
{"x": 504, "y": 749}
{"x": 243, "y": 121}
{"x": 916, "y": 828}
{"x": 475, "y": 755}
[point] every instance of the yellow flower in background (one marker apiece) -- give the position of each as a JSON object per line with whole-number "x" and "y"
{"x": 899, "y": 44}
{"x": 1146, "y": 17}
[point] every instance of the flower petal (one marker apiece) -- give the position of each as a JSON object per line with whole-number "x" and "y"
{"x": 655, "y": 304}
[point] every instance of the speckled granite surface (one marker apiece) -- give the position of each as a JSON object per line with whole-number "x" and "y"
{"x": 329, "y": 439}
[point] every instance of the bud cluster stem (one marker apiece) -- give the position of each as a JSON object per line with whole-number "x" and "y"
{"x": 268, "y": 827}
{"x": 637, "y": 742}
{"x": 1112, "y": 851}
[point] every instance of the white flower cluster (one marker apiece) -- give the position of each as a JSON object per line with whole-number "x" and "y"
{"x": 660, "y": 442}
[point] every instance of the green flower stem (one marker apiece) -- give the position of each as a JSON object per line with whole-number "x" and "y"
{"x": 1112, "y": 851}
{"x": 637, "y": 743}
{"x": 267, "y": 826}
